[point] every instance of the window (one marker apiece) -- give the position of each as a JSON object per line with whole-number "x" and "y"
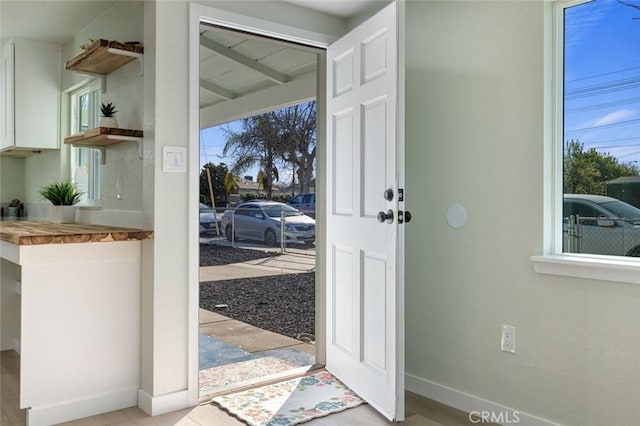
{"x": 85, "y": 162}
{"x": 599, "y": 74}
{"x": 592, "y": 214}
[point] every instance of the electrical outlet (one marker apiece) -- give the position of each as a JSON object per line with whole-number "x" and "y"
{"x": 508, "y": 338}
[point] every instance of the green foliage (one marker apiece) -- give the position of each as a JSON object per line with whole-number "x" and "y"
{"x": 587, "y": 172}
{"x": 281, "y": 198}
{"x": 108, "y": 110}
{"x": 253, "y": 196}
{"x": 276, "y": 141}
{"x": 61, "y": 193}
{"x": 222, "y": 181}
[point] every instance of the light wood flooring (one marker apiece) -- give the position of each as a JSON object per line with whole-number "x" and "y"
{"x": 420, "y": 411}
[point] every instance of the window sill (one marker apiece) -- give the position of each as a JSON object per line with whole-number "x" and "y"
{"x": 602, "y": 268}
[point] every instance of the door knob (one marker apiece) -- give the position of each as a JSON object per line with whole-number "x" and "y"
{"x": 385, "y": 216}
{"x": 388, "y": 194}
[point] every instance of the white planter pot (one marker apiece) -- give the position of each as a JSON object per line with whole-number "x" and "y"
{"x": 108, "y": 122}
{"x": 63, "y": 214}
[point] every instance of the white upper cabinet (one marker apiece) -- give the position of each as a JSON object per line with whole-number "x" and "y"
{"x": 30, "y": 115}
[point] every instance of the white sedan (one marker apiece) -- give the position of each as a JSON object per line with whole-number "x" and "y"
{"x": 262, "y": 221}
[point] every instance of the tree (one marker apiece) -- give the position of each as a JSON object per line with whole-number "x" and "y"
{"x": 273, "y": 141}
{"x": 298, "y": 135}
{"x": 256, "y": 143}
{"x": 221, "y": 180}
{"x": 587, "y": 172}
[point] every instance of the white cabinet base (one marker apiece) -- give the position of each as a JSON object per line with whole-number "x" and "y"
{"x": 79, "y": 328}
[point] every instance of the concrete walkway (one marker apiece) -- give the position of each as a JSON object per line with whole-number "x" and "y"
{"x": 287, "y": 263}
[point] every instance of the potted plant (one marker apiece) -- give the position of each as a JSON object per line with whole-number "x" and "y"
{"x": 108, "y": 112}
{"x": 14, "y": 208}
{"x": 63, "y": 195}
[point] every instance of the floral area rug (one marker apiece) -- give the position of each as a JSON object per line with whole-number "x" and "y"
{"x": 221, "y": 377}
{"x": 292, "y": 402}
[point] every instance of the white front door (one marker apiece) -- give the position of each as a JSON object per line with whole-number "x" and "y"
{"x": 364, "y": 301}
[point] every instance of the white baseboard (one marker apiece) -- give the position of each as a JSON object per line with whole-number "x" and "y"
{"x": 493, "y": 412}
{"x": 161, "y": 404}
{"x": 80, "y": 408}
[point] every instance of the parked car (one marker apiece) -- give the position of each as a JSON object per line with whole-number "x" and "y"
{"x": 606, "y": 225}
{"x": 208, "y": 219}
{"x": 261, "y": 220}
{"x": 306, "y": 203}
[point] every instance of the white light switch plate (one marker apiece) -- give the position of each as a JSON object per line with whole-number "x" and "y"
{"x": 174, "y": 159}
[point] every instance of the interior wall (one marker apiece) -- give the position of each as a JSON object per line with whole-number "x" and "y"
{"x": 11, "y": 179}
{"x": 125, "y": 88}
{"x": 475, "y": 113}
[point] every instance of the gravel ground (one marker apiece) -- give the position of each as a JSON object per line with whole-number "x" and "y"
{"x": 211, "y": 255}
{"x": 284, "y": 304}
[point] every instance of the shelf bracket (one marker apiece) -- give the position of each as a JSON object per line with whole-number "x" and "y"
{"x": 130, "y": 54}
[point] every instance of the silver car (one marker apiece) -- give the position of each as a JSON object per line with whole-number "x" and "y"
{"x": 208, "y": 220}
{"x": 262, "y": 221}
{"x": 596, "y": 224}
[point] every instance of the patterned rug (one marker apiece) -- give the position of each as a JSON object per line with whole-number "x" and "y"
{"x": 291, "y": 402}
{"x": 218, "y": 378}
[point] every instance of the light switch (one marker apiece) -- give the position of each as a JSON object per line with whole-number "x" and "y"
{"x": 174, "y": 159}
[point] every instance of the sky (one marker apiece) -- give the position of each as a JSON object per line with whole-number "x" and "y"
{"x": 602, "y": 77}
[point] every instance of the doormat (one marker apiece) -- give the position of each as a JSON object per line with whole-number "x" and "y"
{"x": 292, "y": 402}
{"x": 218, "y": 378}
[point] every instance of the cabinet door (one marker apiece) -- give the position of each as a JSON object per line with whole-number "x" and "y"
{"x": 37, "y": 71}
{"x": 6, "y": 105}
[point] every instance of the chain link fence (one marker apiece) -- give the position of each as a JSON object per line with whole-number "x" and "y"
{"x": 601, "y": 235}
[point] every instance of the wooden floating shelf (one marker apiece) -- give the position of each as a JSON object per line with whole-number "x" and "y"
{"x": 104, "y": 56}
{"x": 102, "y": 137}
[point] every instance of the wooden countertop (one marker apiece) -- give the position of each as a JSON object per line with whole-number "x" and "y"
{"x": 34, "y": 233}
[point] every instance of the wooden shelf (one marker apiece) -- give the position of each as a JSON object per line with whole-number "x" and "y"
{"x": 102, "y": 137}
{"x": 104, "y": 56}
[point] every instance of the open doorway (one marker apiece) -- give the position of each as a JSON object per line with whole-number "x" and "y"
{"x": 257, "y": 252}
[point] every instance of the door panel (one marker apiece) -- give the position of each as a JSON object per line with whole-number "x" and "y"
{"x": 363, "y": 312}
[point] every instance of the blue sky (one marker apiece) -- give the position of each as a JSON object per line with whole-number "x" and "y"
{"x": 602, "y": 77}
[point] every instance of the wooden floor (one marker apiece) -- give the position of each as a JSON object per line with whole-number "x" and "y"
{"x": 419, "y": 411}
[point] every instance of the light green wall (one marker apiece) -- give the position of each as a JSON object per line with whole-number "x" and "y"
{"x": 474, "y": 128}
{"x": 11, "y": 179}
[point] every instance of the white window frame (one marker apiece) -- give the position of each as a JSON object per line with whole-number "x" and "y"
{"x": 553, "y": 261}
{"x": 90, "y": 197}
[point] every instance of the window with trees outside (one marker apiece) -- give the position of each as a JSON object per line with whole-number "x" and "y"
{"x": 599, "y": 126}
{"x": 85, "y": 162}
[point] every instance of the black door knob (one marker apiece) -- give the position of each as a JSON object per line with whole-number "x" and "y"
{"x": 388, "y": 194}
{"x": 385, "y": 216}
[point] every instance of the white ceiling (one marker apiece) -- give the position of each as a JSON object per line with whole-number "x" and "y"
{"x": 341, "y": 8}
{"x": 57, "y": 21}
{"x": 51, "y": 21}
{"x": 225, "y": 76}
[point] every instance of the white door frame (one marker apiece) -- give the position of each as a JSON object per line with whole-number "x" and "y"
{"x": 197, "y": 14}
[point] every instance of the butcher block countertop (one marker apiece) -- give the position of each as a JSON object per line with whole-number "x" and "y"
{"x": 35, "y": 233}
